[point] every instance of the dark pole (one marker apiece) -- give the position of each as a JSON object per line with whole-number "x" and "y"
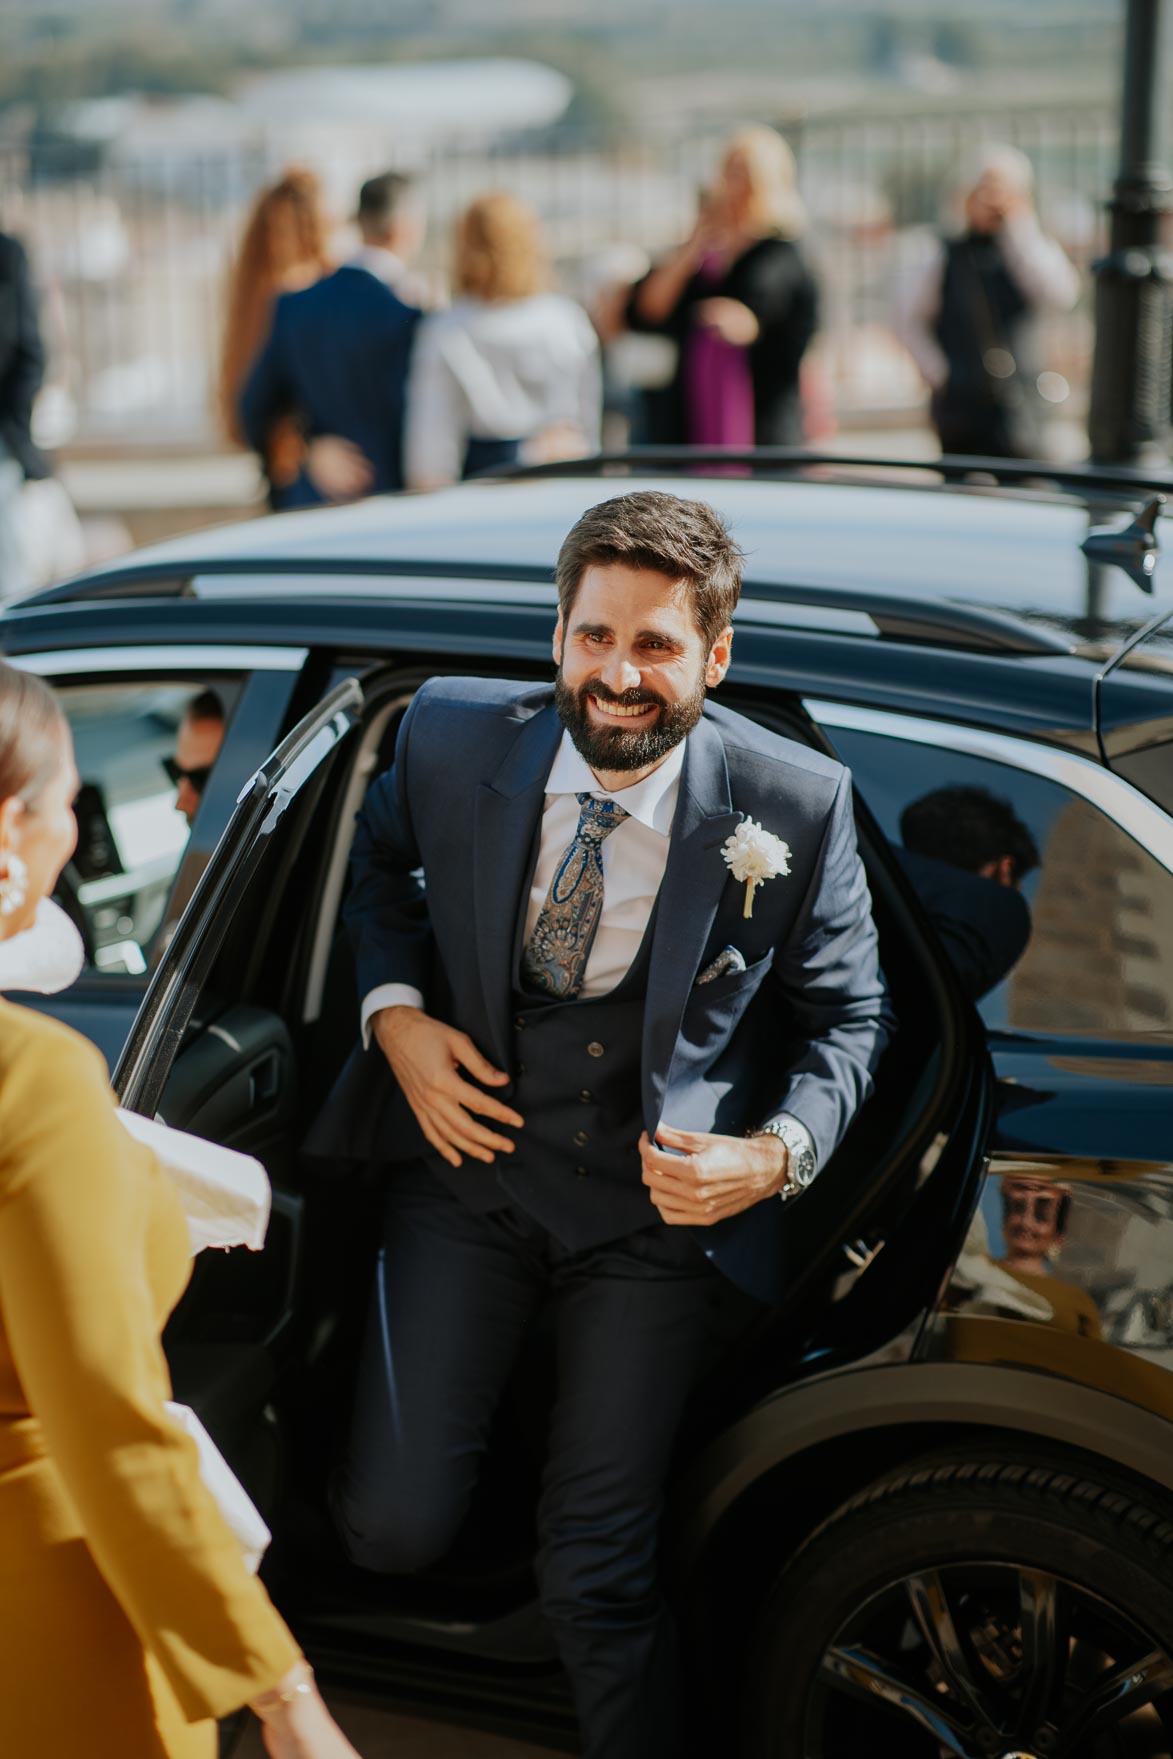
{"x": 1132, "y": 371}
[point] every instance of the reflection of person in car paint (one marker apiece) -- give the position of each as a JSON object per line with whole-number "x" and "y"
{"x": 197, "y": 745}
{"x": 967, "y": 854}
{"x": 1034, "y": 1222}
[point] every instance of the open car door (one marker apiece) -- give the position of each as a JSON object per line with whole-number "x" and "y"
{"x": 211, "y": 1054}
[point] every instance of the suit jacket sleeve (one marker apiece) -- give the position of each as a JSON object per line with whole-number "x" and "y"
{"x": 22, "y": 364}
{"x": 834, "y": 991}
{"x": 267, "y": 392}
{"x": 78, "y": 1200}
{"x": 386, "y": 911}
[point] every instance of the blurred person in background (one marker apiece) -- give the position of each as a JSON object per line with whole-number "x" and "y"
{"x": 511, "y": 370}
{"x": 337, "y": 357}
{"x": 129, "y": 1621}
{"x": 22, "y": 367}
{"x": 283, "y": 248}
{"x": 197, "y": 746}
{"x": 967, "y": 312}
{"x": 739, "y": 300}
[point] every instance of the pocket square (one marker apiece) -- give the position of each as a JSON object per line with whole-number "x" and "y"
{"x": 726, "y": 961}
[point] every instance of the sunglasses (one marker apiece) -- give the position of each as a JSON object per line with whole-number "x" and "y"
{"x": 196, "y": 779}
{"x": 1039, "y": 1206}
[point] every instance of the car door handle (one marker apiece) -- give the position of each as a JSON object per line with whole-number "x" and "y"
{"x": 264, "y": 1079}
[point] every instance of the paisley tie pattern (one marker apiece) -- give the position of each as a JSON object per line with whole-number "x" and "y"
{"x": 555, "y": 957}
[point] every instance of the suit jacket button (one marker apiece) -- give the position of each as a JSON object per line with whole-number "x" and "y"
{"x": 581, "y": 1173}
{"x": 580, "y": 1139}
{"x": 519, "y": 1021}
{"x": 586, "y": 1096}
{"x": 594, "y": 1049}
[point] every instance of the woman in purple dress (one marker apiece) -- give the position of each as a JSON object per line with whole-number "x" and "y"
{"x": 740, "y": 302}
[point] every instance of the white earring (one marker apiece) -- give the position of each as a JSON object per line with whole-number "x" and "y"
{"x": 14, "y": 886}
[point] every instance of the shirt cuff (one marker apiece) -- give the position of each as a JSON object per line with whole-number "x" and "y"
{"x": 387, "y": 995}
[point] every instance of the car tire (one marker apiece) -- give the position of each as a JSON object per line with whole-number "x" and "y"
{"x": 972, "y": 1606}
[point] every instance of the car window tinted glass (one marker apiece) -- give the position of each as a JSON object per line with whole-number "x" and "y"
{"x": 1056, "y": 920}
{"x": 143, "y": 762}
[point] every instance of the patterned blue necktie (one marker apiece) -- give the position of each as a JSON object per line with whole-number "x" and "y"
{"x": 555, "y": 957}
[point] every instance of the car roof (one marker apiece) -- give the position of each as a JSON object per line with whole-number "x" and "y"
{"x": 1009, "y": 553}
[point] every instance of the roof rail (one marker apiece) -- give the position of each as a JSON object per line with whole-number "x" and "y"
{"x": 772, "y": 460}
{"x": 897, "y": 616}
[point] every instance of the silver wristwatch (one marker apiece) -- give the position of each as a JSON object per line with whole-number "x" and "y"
{"x": 800, "y": 1163}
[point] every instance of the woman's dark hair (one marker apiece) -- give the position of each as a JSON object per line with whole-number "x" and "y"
{"x": 31, "y": 729}
{"x": 683, "y": 539}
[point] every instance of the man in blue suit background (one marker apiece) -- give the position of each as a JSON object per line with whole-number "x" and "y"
{"x": 337, "y": 357}
{"x": 602, "y": 1058}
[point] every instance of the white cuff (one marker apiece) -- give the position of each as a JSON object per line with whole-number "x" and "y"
{"x": 387, "y": 995}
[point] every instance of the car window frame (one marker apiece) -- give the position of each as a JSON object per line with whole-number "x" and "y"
{"x": 263, "y": 802}
{"x": 267, "y": 678}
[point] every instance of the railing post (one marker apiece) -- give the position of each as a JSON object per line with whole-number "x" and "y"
{"x": 1132, "y": 370}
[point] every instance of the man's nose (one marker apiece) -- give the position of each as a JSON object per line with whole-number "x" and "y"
{"x": 619, "y": 674}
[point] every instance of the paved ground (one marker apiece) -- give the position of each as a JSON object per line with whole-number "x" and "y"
{"x": 380, "y": 1735}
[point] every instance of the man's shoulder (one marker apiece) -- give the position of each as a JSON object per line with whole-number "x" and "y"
{"x": 503, "y": 699}
{"x": 750, "y": 747}
{"x": 350, "y": 286}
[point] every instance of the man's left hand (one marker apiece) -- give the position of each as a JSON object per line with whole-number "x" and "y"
{"x": 708, "y": 1178}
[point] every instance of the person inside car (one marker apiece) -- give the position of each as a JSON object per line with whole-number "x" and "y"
{"x": 197, "y": 746}
{"x": 573, "y": 1069}
{"x": 967, "y": 854}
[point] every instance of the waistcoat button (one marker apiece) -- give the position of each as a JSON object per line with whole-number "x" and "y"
{"x": 594, "y": 1049}
{"x": 580, "y": 1138}
{"x": 586, "y": 1096}
{"x": 519, "y": 1021}
{"x": 581, "y": 1172}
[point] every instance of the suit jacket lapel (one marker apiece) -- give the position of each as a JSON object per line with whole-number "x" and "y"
{"x": 508, "y": 809}
{"x": 694, "y": 879}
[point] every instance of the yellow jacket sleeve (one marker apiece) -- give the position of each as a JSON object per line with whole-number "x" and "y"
{"x": 79, "y": 1206}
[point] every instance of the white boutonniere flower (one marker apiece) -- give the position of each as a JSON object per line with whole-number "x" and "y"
{"x": 754, "y": 855}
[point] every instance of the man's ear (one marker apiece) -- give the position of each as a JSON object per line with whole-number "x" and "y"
{"x": 558, "y": 633}
{"x": 720, "y": 655}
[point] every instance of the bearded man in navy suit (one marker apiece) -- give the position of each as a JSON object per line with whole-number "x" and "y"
{"x": 621, "y": 1000}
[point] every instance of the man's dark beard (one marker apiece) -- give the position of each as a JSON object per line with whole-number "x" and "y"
{"x": 619, "y": 747}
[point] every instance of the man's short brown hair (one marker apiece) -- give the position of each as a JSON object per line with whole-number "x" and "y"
{"x": 684, "y": 540}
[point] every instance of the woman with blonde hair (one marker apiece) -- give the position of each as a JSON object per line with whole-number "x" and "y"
{"x": 511, "y": 369}
{"x": 739, "y": 300}
{"x": 283, "y": 248}
{"x": 128, "y": 1619}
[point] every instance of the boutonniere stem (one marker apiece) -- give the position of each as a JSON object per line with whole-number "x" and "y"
{"x": 754, "y": 855}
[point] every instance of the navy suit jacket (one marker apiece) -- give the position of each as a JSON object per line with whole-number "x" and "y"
{"x": 441, "y": 867}
{"x": 337, "y": 355}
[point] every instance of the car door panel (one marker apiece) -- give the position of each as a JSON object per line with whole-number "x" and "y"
{"x": 227, "y": 1071}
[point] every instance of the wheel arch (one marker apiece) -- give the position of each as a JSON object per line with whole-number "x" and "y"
{"x": 796, "y": 1457}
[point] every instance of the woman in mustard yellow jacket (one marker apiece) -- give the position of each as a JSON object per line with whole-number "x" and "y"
{"x": 128, "y": 1621}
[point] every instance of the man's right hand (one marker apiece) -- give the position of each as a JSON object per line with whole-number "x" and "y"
{"x": 426, "y": 1058}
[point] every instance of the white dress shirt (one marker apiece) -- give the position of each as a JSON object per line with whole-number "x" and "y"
{"x": 498, "y": 370}
{"x": 634, "y": 858}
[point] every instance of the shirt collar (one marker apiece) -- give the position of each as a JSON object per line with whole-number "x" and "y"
{"x": 377, "y": 261}
{"x": 652, "y": 801}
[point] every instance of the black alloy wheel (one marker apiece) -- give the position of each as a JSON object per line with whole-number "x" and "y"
{"x": 981, "y": 1608}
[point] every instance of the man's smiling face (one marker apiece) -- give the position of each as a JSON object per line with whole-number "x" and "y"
{"x": 633, "y": 668}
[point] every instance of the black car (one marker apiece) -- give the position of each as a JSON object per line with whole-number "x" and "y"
{"x": 928, "y": 1509}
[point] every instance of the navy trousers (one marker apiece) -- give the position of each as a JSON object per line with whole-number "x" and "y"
{"x": 637, "y": 1322}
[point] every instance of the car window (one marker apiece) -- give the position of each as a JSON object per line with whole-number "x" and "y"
{"x": 143, "y": 760}
{"x": 1056, "y": 919}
